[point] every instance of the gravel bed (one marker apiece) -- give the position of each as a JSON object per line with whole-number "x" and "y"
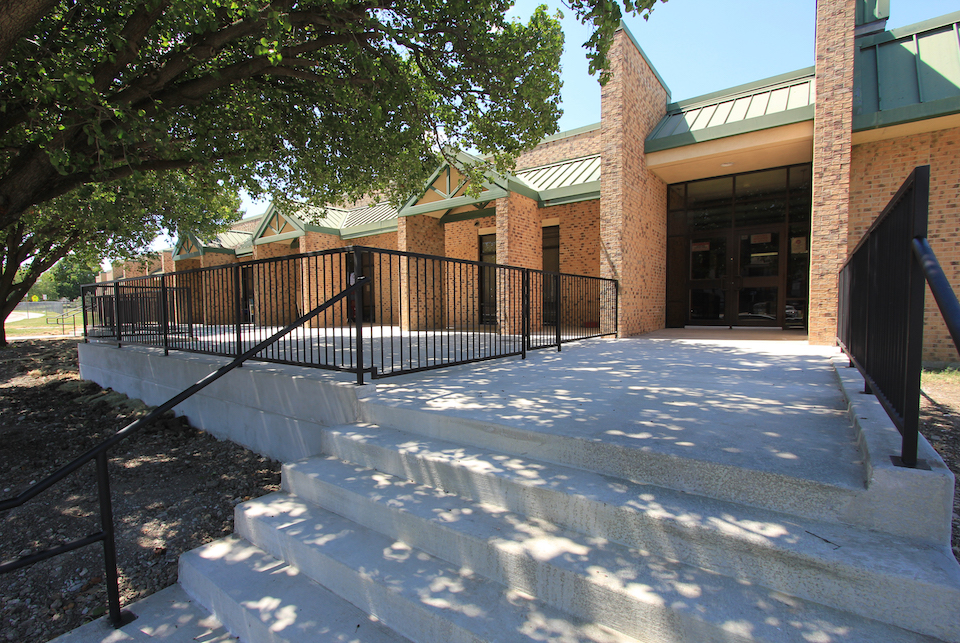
{"x": 173, "y": 488}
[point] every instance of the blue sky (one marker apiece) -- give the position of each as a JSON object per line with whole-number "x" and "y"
{"x": 701, "y": 46}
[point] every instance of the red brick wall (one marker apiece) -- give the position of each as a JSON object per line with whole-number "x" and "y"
{"x": 579, "y": 236}
{"x": 633, "y": 202}
{"x": 276, "y": 285}
{"x": 462, "y": 241}
{"x": 878, "y": 170}
{"x": 219, "y": 289}
{"x": 570, "y": 147}
{"x": 832, "y": 145}
{"x": 421, "y": 281}
{"x": 325, "y": 276}
{"x": 519, "y": 243}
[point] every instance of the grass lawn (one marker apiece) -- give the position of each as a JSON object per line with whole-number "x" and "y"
{"x": 41, "y": 326}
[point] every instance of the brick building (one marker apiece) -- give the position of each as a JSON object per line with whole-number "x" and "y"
{"x": 733, "y": 208}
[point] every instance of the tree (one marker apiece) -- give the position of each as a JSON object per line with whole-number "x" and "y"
{"x": 69, "y": 274}
{"x": 316, "y": 100}
{"x": 108, "y": 220}
{"x": 329, "y": 99}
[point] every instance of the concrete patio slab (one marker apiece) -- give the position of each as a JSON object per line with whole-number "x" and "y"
{"x": 756, "y": 399}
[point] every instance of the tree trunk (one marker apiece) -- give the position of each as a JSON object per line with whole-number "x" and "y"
{"x": 16, "y": 17}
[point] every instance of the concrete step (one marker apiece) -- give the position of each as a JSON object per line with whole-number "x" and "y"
{"x": 415, "y": 594}
{"x": 828, "y": 497}
{"x": 647, "y": 597}
{"x": 878, "y": 576}
{"x": 263, "y": 600}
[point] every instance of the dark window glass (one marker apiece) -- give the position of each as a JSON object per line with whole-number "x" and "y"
{"x": 761, "y": 198}
{"x": 758, "y": 304}
{"x": 551, "y": 248}
{"x": 706, "y": 304}
{"x": 760, "y": 255}
{"x": 800, "y": 196}
{"x": 709, "y": 204}
{"x": 488, "y": 248}
{"x": 675, "y": 197}
{"x": 708, "y": 258}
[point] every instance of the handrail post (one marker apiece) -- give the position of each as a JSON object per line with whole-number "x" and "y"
{"x": 111, "y": 579}
{"x": 524, "y": 312}
{"x": 358, "y": 311}
{"x": 164, "y": 315}
{"x": 116, "y": 312}
{"x": 83, "y": 307}
{"x": 238, "y": 309}
{"x": 559, "y": 314}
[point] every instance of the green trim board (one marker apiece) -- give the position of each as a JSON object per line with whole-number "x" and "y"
{"x": 909, "y": 30}
{"x": 906, "y": 114}
{"x": 495, "y": 192}
{"x": 570, "y": 133}
{"x": 286, "y": 236}
{"x": 745, "y": 126}
{"x": 868, "y": 11}
{"x": 575, "y": 198}
{"x": 368, "y": 230}
{"x": 636, "y": 44}
{"x": 561, "y": 194}
{"x": 468, "y": 216}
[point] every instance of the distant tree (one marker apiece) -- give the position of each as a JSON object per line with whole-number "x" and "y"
{"x": 114, "y": 220}
{"x": 70, "y": 273}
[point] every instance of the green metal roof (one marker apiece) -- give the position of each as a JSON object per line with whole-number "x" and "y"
{"x": 872, "y": 10}
{"x": 908, "y": 74}
{"x": 564, "y": 181}
{"x": 772, "y": 102}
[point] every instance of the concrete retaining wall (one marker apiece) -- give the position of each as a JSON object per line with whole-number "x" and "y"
{"x": 273, "y": 409}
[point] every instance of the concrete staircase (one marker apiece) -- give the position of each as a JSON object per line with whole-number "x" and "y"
{"x": 395, "y": 534}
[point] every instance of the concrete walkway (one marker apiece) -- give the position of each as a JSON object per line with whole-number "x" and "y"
{"x": 756, "y": 399}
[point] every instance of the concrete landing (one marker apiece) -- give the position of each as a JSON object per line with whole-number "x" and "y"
{"x": 727, "y": 396}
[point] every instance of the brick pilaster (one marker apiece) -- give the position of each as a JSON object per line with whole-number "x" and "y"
{"x": 421, "y": 280}
{"x": 832, "y": 145}
{"x": 633, "y": 201}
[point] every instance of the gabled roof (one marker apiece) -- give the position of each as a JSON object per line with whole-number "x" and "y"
{"x": 190, "y": 246}
{"x": 561, "y": 182}
{"x": 564, "y": 181}
{"x": 908, "y": 74}
{"x": 772, "y": 102}
{"x": 346, "y": 223}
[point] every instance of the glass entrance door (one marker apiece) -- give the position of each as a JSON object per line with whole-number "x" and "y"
{"x": 759, "y": 280}
{"x": 736, "y": 277}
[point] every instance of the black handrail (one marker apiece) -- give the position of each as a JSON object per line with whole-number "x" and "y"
{"x": 942, "y": 292}
{"x": 420, "y": 311}
{"x": 881, "y": 308}
{"x": 98, "y": 453}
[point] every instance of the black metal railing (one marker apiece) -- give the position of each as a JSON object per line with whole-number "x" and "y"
{"x": 881, "y": 307}
{"x": 418, "y": 311}
{"x": 99, "y": 455}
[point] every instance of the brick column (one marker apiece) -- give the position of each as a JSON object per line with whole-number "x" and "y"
{"x": 633, "y": 201}
{"x": 832, "y": 144}
{"x": 519, "y": 243}
{"x": 421, "y": 280}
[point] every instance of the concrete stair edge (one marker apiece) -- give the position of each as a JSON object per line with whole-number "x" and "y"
{"x": 630, "y": 607}
{"x": 415, "y": 594}
{"x": 764, "y": 489}
{"x": 865, "y": 578}
{"x": 228, "y": 577}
